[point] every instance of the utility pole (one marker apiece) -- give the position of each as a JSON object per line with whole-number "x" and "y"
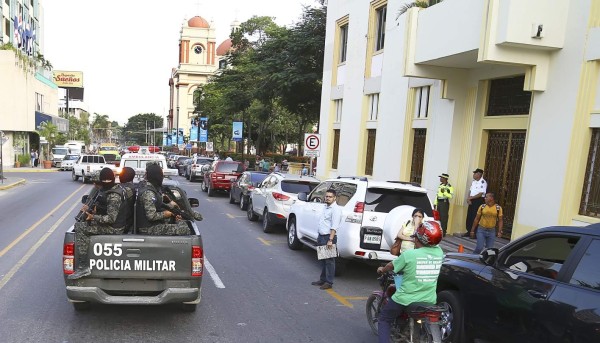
{"x": 177, "y": 122}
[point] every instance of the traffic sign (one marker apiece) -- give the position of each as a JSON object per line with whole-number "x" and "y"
{"x": 312, "y": 144}
{"x": 209, "y": 146}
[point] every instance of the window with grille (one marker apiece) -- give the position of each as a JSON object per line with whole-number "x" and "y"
{"x": 507, "y": 97}
{"x": 338, "y": 110}
{"x": 373, "y": 106}
{"x": 39, "y": 102}
{"x": 343, "y": 42}
{"x": 418, "y": 155}
{"x": 336, "y": 149}
{"x": 422, "y": 102}
{"x": 381, "y": 14}
{"x": 371, "y": 137}
{"x": 590, "y": 197}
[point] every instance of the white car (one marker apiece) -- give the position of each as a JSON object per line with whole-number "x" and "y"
{"x": 68, "y": 162}
{"x": 372, "y": 214}
{"x": 274, "y": 196}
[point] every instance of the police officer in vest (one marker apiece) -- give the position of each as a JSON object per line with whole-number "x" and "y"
{"x": 445, "y": 192}
{"x": 152, "y": 215}
{"x": 107, "y": 217}
{"x": 475, "y": 198}
{"x": 126, "y": 181}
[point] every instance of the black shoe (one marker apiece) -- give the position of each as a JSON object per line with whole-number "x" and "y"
{"x": 317, "y": 283}
{"x": 466, "y": 235}
{"x": 79, "y": 274}
{"x": 326, "y": 286}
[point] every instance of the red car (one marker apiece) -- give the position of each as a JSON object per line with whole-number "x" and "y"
{"x": 219, "y": 176}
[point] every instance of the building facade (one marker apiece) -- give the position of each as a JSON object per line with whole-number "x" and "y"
{"x": 507, "y": 86}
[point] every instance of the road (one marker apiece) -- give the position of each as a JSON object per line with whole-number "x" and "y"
{"x": 257, "y": 290}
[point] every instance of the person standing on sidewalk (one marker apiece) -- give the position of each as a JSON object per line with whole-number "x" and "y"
{"x": 489, "y": 216}
{"x": 445, "y": 192}
{"x": 329, "y": 223}
{"x": 475, "y": 198}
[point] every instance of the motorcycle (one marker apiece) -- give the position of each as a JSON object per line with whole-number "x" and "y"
{"x": 420, "y": 323}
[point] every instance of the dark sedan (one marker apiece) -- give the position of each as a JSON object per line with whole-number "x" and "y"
{"x": 180, "y": 164}
{"x": 542, "y": 287}
{"x": 241, "y": 188}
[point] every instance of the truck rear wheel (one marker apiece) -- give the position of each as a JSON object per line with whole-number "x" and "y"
{"x": 81, "y": 306}
{"x": 74, "y": 176}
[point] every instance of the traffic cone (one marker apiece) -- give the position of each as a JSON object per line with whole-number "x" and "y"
{"x": 461, "y": 248}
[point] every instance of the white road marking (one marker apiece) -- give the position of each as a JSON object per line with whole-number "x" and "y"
{"x": 213, "y": 274}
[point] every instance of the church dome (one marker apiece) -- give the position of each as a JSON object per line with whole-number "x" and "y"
{"x": 198, "y": 21}
{"x": 224, "y": 47}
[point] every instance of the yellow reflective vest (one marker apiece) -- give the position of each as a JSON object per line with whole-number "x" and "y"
{"x": 445, "y": 191}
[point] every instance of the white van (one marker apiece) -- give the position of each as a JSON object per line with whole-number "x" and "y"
{"x": 138, "y": 163}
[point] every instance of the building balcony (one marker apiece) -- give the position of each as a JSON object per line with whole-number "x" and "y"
{"x": 464, "y": 34}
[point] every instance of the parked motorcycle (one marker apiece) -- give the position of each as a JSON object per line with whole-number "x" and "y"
{"x": 420, "y": 323}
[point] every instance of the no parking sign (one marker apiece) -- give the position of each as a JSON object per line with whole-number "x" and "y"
{"x": 312, "y": 144}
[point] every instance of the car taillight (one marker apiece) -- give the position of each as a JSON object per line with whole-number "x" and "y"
{"x": 436, "y": 215}
{"x": 359, "y": 207}
{"x": 280, "y": 197}
{"x": 197, "y": 259}
{"x": 250, "y": 188}
{"x": 357, "y": 216}
{"x": 68, "y": 258}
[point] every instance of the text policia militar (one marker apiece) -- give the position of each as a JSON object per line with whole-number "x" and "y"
{"x": 116, "y": 250}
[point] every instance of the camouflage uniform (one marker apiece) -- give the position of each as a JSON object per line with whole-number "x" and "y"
{"x": 159, "y": 225}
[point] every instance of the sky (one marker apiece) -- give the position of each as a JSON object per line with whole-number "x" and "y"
{"x": 127, "y": 48}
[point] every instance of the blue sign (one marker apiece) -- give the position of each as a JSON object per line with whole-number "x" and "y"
{"x": 238, "y": 128}
{"x": 164, "y": 140}
{"x": 203, "y": 129}
{"x": 188, "y": 146}
{"x": 194, "y": 133}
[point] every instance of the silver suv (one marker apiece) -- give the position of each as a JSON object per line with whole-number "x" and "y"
{"x": 274, "y": 196}
{"x": 372, "y": 214}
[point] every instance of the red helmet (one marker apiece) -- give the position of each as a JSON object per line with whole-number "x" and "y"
{"x": 429, "y": 233}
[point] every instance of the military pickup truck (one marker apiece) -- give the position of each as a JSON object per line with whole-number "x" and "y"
{"x": 134, "y": 269}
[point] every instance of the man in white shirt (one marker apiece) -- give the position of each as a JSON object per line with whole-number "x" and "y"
{"x": 329, "y": 223}
{"x": 475, "y": 198}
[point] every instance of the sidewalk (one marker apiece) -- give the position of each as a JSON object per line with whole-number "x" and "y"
{"x": 11, "y": 181}
{"x": 450, "y": 243}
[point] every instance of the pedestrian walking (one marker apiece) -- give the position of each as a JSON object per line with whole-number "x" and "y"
{"x": 32, "y": 157}
{"x": 445, "y": 192}
{"x": 475, "y": 198}
{"x": 329, "y": 222}
{"x": 489, "y": 216}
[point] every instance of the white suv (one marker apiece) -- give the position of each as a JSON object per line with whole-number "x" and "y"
{"x": 372, "y": 214}
{"x": 274, "y": 196}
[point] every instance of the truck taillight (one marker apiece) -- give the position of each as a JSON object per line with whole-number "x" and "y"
{"x": 359, "y": 207}
{"x": 68, "y": 258}
{"x": 280, "y": 197}
{"x": 197, "y": 260}
{"x": 357, "y": 215}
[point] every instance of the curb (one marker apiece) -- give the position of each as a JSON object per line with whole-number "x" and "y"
{"x": 14, "y": 184}
{"x": 19, "y": 170}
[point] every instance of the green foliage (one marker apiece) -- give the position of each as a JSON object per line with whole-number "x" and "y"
{"x": 24, "y": 159}
{"x": 136, "y": 129}
{"x": 50, "y": 131}
{"x": 78, "y": 128}
{"x": 420, "y": 4}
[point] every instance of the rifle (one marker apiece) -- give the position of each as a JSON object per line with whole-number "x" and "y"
{"x": 176, "y": 210}
{"x": 90, "y": 202}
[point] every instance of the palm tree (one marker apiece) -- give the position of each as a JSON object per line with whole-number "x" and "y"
{"x": 421, "y": 4}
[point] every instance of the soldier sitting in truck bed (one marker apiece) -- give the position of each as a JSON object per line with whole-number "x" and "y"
{"x": 151, "y": 215}
{"x": 107, "y": 217}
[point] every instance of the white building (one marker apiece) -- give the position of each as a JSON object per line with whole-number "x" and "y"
{"x": 507, "y": 86}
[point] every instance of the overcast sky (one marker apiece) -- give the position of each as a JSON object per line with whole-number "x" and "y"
{"x": 126, "y": 48}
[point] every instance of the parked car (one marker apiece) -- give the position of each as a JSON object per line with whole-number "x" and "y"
{"x": 372, "y": 212}
{"x": 195, "y": 170}
{"x": 219, "y": 175}
{"x": 272, "y": 199}
{"x": 68, "y": 162}
{"x": 171, "y": 161}
{"x": 182, "y": 165}
{"x": 243, "y": 186}
{"x": 542, "y": 287}
{"x": 178, "y": 162}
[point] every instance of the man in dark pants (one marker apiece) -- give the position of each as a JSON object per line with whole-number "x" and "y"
{"x": 441, "y": 203}
{"x": 330, "y": 221}
{"x": 475, "y": 198}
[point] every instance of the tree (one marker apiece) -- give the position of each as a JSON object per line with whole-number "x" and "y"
{"x": 136, "y": 131}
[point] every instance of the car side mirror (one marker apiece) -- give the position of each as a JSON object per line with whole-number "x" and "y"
{"x": 84, "y": 199}
{"x": 489, "y": 256}
{"x": 302, "y": 196}
{"x": 194, "y": 202}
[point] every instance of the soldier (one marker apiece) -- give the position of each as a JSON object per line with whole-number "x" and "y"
{"x": 441, "y": 203}
{"x": 150, "y": 217}
{"x": 126, "y": 181}
{"x": 108, "y": 217}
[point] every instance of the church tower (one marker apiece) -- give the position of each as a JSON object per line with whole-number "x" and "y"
{"x": 197, "y": 62}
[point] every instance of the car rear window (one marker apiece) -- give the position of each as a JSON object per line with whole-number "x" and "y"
{"x": 384, "y": 200}
{"x": 296, "y": 187}
{"x": 230, "y": 167}
{"x": 204, "y": 161}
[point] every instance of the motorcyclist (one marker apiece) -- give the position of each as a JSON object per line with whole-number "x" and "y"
{"x": 421, "y": 268}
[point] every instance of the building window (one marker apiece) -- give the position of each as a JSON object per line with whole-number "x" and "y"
{"x": 343, "y": 42}
{"x": 336, "y": 149}
{"x": 338, "y": 110}
{"x": 39, "y": 102}
{"x": 373, "y": 106}
{"x": 422, "y": 102}
{"x": 507, "y": 97}
{"x": 590, "y": 197}
{"x": 371, "y": 137}
{"x": 7, "y": 27}
{"x": 222, "y": 64}
{"x": 418, "y": 155}
{"x": 381, "y": 14}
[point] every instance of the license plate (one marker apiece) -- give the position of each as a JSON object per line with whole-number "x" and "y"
{"x": 372, "y": 239}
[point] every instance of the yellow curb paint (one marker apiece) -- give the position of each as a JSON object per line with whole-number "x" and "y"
{"x": 15, "y": 184}
{"x": 264, "y": 241}
{"x": 34, "y": 248}
{"x": 340, "y": 298}
{"x": 32, "y": 227}
{"x": 356, "y": 298}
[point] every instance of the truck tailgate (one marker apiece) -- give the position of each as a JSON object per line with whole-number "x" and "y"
{"x": 141, "y": 257}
